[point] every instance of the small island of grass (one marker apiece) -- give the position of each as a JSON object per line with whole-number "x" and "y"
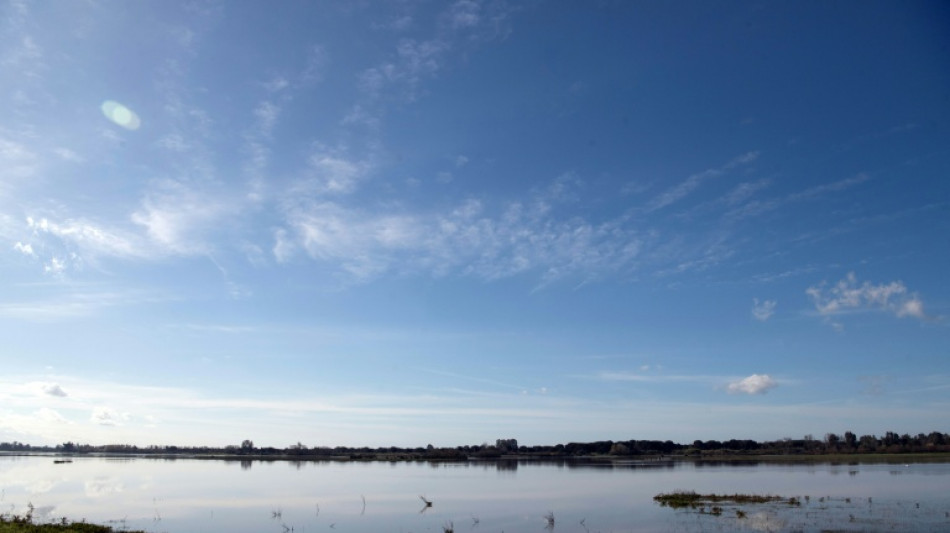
{"x": 25, "y": 524}
{"x": 679, "y": 499}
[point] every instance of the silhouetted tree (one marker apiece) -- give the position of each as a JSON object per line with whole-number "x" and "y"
{"x": 850, "y": 439}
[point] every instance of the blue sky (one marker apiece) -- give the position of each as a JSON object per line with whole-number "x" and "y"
{"x": 408, "y": 222}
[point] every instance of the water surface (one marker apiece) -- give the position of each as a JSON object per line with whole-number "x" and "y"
{"x": 188, "y": 495}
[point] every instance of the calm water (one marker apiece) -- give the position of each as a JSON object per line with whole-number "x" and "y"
{"x": 183, "y": 495}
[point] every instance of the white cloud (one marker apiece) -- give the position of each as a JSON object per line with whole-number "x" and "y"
{"x": 419, "y": 58}
{"x": 333, "y": 171}
{"x": 16, "y": 159}
{"x": 45, "y": 414}
{"x": 461, "y": 161}
{"x": 25, "y": 54}
{"x": 276, "y": 84}
{"x": 360, "y": 116}
{"x": 464, "y": 14}
{"x": 317, "y": 59}
{"x": 754, "y": 384}
{"x": 912, "y": 307}
{"x": 25, "y": 249}
{"x": 466, "y": 240}
{"x": 266, "y": 114}
{"x": 179, "y": 217}
{"x": 68, "y": 155}
{"x": 106, "y": 416}
{"x": 174, "y": 143}
{"x": 283, "y": 246}
{"x": 475, "y": 20}
{"x": 199, "y": 416}
{"x": 54, "y": 266}
{"x": 53, "y": 389}
{"x": 415, "y": 61}
{"x": 847, "y": 295}
{"x": 764, "y": 310}
{"x": 398, "y": 24}
{"x": 89, "y": 237}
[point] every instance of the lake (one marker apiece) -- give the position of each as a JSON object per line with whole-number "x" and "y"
{"x": 193, "y": 495}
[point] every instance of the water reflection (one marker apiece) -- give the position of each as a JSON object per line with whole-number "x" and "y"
{"x": 244, "y": 496}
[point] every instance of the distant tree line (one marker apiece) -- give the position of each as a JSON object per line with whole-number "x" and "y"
{"x": 847, "y": 443}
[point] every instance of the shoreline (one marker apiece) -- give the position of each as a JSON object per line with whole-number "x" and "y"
{"x": 622, "y": 460}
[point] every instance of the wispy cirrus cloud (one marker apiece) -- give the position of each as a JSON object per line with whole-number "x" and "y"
{"x": 56, "y": 301}
{"x": 834, "y": 186}
{"x": 266, "y": 113}
{"x": 333, "y": 171}
{"x": 654, "y": 377}
{"x": 18, "y": 161}
{"x": 690, "y": 184}
{"x": 467, "y": 240}
{"x": 89, "y": 238}
{"x": 743, "y": 207}
{"x": 848, "y": 295}
{"x": 186, "y": 220}
{"x": 414, "y": 60}
{"x": 464, "y": 14}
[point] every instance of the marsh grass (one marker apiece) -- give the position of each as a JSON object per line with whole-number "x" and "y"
{"x": 680, "y": 499}
{"x": 25, "y": 524}
{"x": 826, "y": 513}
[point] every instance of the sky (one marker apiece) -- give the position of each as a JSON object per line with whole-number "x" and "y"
{"x": 349, "y": 223}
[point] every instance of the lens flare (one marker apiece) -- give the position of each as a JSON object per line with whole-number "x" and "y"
{"x": 121, "y": 115}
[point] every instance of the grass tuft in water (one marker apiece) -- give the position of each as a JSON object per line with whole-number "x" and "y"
{"x": 680, "y": 499}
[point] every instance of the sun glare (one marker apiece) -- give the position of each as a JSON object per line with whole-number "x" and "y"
{"x": 121, "y": 115}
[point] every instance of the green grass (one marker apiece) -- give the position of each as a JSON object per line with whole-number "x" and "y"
{"x": 26, "y": 525}
{"x": 680, "y": 499}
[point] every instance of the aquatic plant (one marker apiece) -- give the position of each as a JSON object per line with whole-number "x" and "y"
{"x": 679, "y": 499}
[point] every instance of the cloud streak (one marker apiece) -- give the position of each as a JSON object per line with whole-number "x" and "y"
{"x": 686, "y": 187}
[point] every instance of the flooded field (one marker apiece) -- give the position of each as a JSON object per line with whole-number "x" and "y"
{"x": 186, "y": 495}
